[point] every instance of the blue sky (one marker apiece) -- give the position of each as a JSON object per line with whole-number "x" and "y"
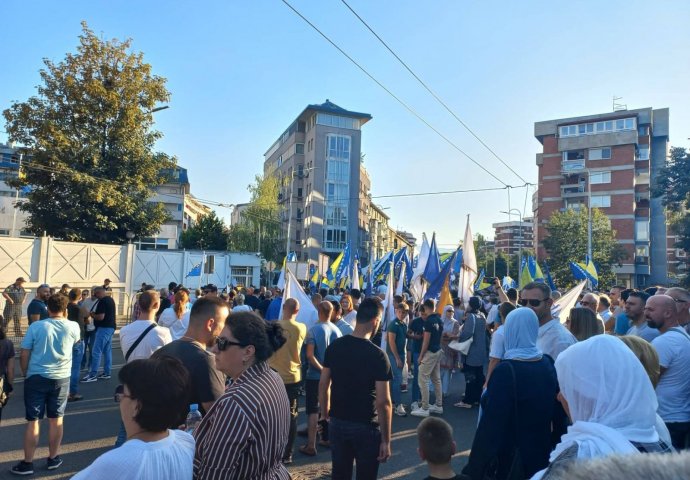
{"x": 241, "y": 71}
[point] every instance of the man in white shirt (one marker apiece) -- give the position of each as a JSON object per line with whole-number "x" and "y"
{"x": 553, "y": 337}
{"x": 241, "y": 307}
{"x": 682, "y": 298}
{"x": 155, "y": 338}
{"x": 673, "y": 347}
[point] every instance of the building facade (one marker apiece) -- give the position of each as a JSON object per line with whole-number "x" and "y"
{"x": 606, "y": 161}
{"x": 318, "y": 161}
{"x": 512, "y": 237}
{"x": 12, "y": 220}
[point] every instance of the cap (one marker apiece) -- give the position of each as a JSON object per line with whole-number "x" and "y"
{"x": 20, "y": 280}
{"x": 106, "y": 280}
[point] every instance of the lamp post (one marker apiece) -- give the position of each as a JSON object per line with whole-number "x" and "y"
{"x": 16, "y": 198}
{"x": 510, "y": 213}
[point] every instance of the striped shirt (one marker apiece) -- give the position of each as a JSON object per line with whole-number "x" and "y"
{"x": 243, "y": 435}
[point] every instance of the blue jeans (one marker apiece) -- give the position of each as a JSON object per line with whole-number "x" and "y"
{"x": 354, "y": 442}
{"x": 89, "y": 338}
{"x": 396, "y": 383}
{"x": 102, "y": 346}
{"x": 416, "y": 392}
{"x": 77, "y": 354}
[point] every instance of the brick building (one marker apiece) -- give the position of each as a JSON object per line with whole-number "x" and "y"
{"x": 606, "y": 160}
{"x": 510, "y": 237}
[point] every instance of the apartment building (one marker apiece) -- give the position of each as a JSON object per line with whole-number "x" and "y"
{"x": 318, "y": 160}
{"x": 12, "y": 220}
{"x": 513, "y": 236}
{"x": 606, "y": 161}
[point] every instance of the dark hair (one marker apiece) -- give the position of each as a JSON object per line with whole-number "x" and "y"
{"x": 626, "y": 293}
{"x": 435, "y": 438}
{"x": 397, "y": 299}
{"x": 584, "y": 323}
{"x": 171, "y": 286}
{"x": 147, "y": 299}
{"x": 512, "y": 294}
{"x": 475, "y": 304}
{"x": 323, "y": 292}
{"x": 429, "y": 304}
{"x": 604, "y": 300}
{"x": 74, "y": 294}
{"x": 402, "y": 306}
{"x": 356, "y": 293}
{"x": 457, "y": 302}
{"x": 57, "y": 303}
{"x": 369, "y": 309}
{"x": 205, "y": 308}
{"x": 644, "y": 296}
{"x": 162, "y": 386}
{"x": 504, "y": 309}
{"x": 250, "y": 329}
{"x": 545, "y": 289}
{"x": 651, "y": 291}
{"x": 336, "y": 309}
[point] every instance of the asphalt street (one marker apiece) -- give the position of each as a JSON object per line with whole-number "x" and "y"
{"x": 92, "y": 424}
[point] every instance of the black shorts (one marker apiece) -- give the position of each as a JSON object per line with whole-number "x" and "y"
{"x": 312, "y": 402}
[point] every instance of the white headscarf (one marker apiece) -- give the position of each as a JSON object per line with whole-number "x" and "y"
{"x": 449, "y": 321}
{"x": 610, "y": 398}
{"x": 520, "y": 333}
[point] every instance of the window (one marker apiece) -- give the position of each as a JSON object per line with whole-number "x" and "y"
{"x": 298, "y": 236}
{"x": 337, "y": 121}
{"x": 242, "y": 276}
{"x": 643, "y": 152}
{"x": 600, "y": 177}
{"x": 643, "y": 130}
{"x": 601, "y": 201}
{"x": 597, "y": 127}
{"x": 299, "y": 148}
{"x": 642, "y": 251}
{"x": 299, "y": 193}
{"x": 574, "y": 155}
{"x": 642, "y": 230}
{"x": 600, "y": 153}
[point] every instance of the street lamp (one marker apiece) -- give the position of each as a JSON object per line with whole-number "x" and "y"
{"x": 510, "y": 213}
{"x": 130, "y": 235}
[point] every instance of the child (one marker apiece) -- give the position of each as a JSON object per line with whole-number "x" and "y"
{"x": 436, "y": 447}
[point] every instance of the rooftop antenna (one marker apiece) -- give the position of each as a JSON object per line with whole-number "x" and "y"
{"x": 618, "y": 106}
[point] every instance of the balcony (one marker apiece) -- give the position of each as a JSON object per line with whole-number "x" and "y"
{"x": 572, "y": 166}
{"x": 574, "y": 189}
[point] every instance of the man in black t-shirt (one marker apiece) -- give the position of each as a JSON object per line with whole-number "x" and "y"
{"x": 430, "y": 362}
{"x": 104, "y": 320}
{"x": 358, "y": 407}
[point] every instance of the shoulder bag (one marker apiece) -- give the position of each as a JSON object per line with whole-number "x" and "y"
{"x": 464, "y": 346}
{"x": 120, "y": 388}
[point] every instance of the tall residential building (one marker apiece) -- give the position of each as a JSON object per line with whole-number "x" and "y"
{"x": 510, "y": 237}
{"x": 606, "y": 160}
{"x": 10, "y": 216}
{"x": 318, "y": 159}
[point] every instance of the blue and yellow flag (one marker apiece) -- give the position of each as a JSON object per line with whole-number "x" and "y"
{"x": 585, "y": 271}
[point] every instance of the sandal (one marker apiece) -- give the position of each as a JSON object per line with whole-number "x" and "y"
{"x": 325, "y": 443}
{"x": 462, "y": 405}
{"x": 307, "y": 450}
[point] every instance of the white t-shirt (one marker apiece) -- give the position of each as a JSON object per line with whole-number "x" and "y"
{"x": 644, "y": 331}
{"x": 498, "y": 340}
{"x": 553, "y": 338}
{"x": 351, "y": 318}
{"x": 177, "y": 326}
{"x": 673, "y": 390}
{"x": 171, "y": 458}
{"x": 153, "y": 340}
{"x": 242, "y": 308}
{"x": 492, "y": 316}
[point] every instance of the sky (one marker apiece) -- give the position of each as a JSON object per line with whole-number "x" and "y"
{"x": 241, "y": 71}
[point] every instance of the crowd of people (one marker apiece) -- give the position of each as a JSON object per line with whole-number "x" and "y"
{"x": 553, "y": 399}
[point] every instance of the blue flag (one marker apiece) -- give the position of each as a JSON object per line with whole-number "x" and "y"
{"x": 195, "y": 271}
{"x": 434, "y": 290}
{"x": 549, "y": 279}
{"x": 433, "y": 263}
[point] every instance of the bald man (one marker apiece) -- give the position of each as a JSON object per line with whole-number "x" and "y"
{"x": 673, "y": 347}
{"x": 682, "y": 298}
{"x": 286, "y": 361}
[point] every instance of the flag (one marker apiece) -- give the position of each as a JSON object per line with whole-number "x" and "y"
{"x": 290, "y": 257}
{"x": 370, "y": 281}
{"x": 445, "y": 298}
{"x": 355, "y": 275}
{"x": 435, "y": 289}
{"x": 401, "y": 280}
{"x": 525, "y": 275}
{"x": 331, "y": 272}
{"x": 549, "y": 279}
{"x": 480, "y": 281}
{"x": 343, "y": 268}
{"x": 561, "y": 307}
{"x": 417, "y": 285}
{"x": 195, "y": 271}
{"x": 307, "y": 311}
{"x": 433, "y": 263}
{"x": 388, "y": 310}
{"x": 534, "y": 269}
{"x": 468, "y": 272}
{"x": 508, "y": 282}
{"x": 585, "y": 271}
{"x": 313, "y": 281}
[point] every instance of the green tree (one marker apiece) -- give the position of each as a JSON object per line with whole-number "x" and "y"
{"x": 259, "y": 229}
{"x": 673, "y": 186}
{"x": 89, "y": 140}
{"x": 567, "y": 242}
{"x": 207, "y": 233}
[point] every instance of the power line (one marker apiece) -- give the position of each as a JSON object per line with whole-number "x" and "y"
{"x": 400, "y": 101}
{"x": 438, "y": 99}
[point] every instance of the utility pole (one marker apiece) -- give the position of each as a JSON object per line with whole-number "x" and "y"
{"x": 16, "y": 198}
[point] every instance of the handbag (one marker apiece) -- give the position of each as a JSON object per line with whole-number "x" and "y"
{"x": 120, "y": 388}
{"x": 516, "y": 470}
{"x": 464, "y": 346}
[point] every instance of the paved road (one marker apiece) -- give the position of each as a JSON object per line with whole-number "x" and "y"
{"x": 91, "y": 426}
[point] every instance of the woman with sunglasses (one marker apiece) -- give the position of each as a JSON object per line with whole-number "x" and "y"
{"x": 154, "y": 393}
{"x": 244, "y": 433}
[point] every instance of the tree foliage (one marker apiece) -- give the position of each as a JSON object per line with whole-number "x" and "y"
{"x": 89, "y": 139}
{"x": 207, "y": 233}
{"x": 673, "y": 186}
{"x": 567, "y": 242}
{"x": 259, "y": 229}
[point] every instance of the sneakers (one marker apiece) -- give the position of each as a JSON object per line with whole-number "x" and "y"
{"x": 400, "y": 411}
{"x": 104, "y": 376}
{"x": 54, "y": 463}
{"x": 419, "y": 412}
{"x": 414, "y": 406}
{"x": 74, "y": 397}
{"x": 23, "y": 468}
{"x": 463, "y": 405}
{"x": 89, "y": 378}
{"x": 403, "y": 389}
{"x": 436, "y": 409}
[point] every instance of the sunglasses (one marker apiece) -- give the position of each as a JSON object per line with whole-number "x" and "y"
{"x": 223, "y": 343}
{"x": 532, "y": 303}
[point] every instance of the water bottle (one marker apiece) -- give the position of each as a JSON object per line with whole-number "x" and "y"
{"x": 193, "y": 418}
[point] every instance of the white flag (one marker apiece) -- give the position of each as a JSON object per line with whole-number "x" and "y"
{"x": 307, "y": 312}
{"x": 561, "y": 307}
{"x": 468, "y": 271}
{"x": 418, "y": 286}
{"x": 355, "y": 275}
